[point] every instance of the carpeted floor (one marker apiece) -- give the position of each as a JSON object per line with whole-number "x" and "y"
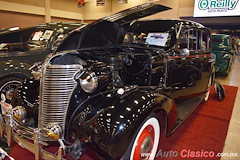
{"x": 202, "y": 134}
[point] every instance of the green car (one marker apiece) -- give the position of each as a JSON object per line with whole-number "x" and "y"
{"x": 222, "y": 47}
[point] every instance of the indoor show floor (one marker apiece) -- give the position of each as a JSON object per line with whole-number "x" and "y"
{"x": 232, "y": 142}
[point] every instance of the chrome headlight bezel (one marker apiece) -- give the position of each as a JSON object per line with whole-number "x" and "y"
{"x": 53, "y": 131}
{"x": 88, "y": 81}
{"x": 19, "y": 113}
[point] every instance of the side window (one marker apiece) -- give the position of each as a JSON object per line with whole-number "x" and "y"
{"x": 194, "y": 40}
{"x": 205, "y": 41}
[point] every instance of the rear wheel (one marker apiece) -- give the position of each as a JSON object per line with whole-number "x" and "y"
{"x": 145, "y": 144}
{"x": 206, "y": 96}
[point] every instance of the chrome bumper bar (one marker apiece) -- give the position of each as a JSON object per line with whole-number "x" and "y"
{"x": 35, "y": 146}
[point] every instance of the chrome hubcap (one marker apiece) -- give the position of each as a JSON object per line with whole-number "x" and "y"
{"x": 8, "y": 88}
{"x": 145, "y": 143}
{"x": 9, "y": 94}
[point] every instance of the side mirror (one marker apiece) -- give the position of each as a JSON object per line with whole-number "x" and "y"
{"x": 184, "y": 52}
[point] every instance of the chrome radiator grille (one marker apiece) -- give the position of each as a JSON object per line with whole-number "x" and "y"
{"x": 56, "y": 87}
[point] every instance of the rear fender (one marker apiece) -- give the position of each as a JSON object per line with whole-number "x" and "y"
{"x": 227, "y": 56}
{"x": 219, "y": 90}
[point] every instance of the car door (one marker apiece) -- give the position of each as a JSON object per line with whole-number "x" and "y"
{"x": 190, "y": 66}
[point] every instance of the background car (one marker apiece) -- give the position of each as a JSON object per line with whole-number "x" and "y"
{"x": 222, "y": 47}
{"x": 21, "y": 48}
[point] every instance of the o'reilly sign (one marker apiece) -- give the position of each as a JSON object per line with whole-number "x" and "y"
{"x": 210, "y": 8}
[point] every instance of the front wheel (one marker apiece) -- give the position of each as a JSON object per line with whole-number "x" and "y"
{"x": 145, "y": 144}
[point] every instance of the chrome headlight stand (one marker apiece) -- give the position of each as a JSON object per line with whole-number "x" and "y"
{"x": 7, "y": 125}
{"x": 36, "y": 146}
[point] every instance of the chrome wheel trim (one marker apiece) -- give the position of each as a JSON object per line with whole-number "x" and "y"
{"x": 8, "y": 88}
{"x": 207, "y": 96}
{"x": 208, "y": 88}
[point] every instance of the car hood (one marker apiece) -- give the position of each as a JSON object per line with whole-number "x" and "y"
{"x": 134, "y": 13}
{"x": 108, "y": 31}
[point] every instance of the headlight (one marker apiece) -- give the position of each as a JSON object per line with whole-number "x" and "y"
{"x": 88, "y": 81}
{"x": 19, "y": 113}
{"x": 53, "y": 131}
{"x": 225, "y": 55}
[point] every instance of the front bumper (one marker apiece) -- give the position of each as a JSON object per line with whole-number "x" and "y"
{"x": 26, "y": 137}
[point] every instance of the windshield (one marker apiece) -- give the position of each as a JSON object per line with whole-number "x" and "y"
{"x": 217, "y": 40}
{"x": 221, "y": 41}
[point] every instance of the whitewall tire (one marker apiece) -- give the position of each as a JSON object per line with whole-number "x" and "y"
{"x": 205, "y": 99}
{"x": 145, "y": 144}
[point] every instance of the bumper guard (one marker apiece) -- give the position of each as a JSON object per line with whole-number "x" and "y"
{"x": 35, "y": 146}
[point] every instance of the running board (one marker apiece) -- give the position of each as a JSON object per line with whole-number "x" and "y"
{"x": 185, "y": 108}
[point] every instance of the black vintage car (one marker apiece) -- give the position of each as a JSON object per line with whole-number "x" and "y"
{"x": 21, "y": 48}
{"x": 108, "y": 84}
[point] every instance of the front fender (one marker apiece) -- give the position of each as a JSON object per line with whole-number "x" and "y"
{"x": 12, "y": 67}
{"x": 227, "y": 56}
{"x": 80, "y": 105}
{"x": 114, "y": 128}
{"x": 27, "y": 95}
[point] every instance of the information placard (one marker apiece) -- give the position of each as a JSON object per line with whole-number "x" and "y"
{"x": 157, "y": 39}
